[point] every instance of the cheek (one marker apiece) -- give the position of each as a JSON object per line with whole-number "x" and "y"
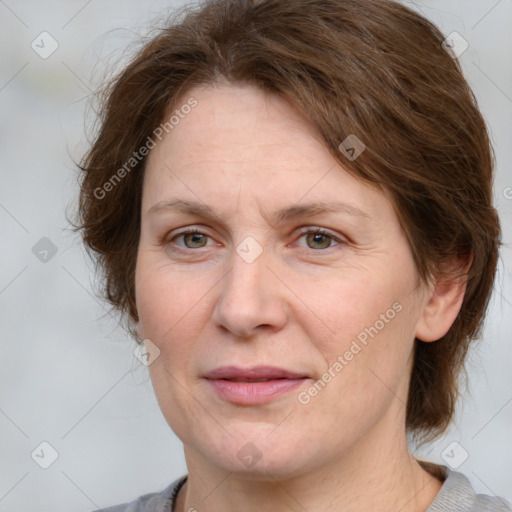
{"x": 171, "y": 308}
{"x": 366, "y": 371}
{"x": 366, "y": 335}
{"x": 174, "y": 395}
{"x": 168, "y": 301}
{"x": 348, "y": 308}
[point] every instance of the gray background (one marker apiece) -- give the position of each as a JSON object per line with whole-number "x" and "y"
{"x": 68, "y": 374}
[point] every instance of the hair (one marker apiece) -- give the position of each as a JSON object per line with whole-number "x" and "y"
{"x": 375, "y": 69}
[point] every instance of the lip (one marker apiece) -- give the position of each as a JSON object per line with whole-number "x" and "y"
{"x": 240, "y": 386}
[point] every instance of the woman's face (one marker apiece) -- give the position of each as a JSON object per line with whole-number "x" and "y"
{"x": 338, "y": 310}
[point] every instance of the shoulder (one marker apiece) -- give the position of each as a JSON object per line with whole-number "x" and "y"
{"x": 457, "y": 495}
{"x": 154, "y": 502}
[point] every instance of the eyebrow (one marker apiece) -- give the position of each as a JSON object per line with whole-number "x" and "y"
{"x": 285, "y": 214}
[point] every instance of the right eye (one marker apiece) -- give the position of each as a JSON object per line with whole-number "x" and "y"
{"x": 192, "y": 239}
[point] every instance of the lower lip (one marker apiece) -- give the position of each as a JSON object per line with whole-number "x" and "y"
{"x": 253, "y": 393}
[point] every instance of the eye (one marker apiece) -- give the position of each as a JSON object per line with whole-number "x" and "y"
{"x": 192, "y": 239}
{"x": 319, "y": 238}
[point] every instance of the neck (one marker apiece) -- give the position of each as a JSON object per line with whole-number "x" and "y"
{"x": 372, "y": 476}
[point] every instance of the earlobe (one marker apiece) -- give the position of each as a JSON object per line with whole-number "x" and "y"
{"x": 443, "y": 304}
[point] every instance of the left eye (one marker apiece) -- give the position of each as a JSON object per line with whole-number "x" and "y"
{"x": 319, "y": 239}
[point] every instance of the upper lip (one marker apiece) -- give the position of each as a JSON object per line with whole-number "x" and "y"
{"x": 253, "y": 373}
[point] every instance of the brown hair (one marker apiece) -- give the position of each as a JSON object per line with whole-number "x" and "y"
{"x": 373, "y": 68}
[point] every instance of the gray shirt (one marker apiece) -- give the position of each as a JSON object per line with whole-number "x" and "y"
{"x": 456, "y": 495}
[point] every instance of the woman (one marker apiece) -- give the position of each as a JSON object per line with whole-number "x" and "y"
{"x": 292, "y": 205}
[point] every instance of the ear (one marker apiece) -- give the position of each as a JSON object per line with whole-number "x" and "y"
{"x": 443, "y": 302}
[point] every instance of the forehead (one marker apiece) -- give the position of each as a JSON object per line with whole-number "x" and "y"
{"x": 234, "y": 122}
{"x": 239, "y": 143}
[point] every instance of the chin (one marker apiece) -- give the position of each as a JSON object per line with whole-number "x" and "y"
{"x": 266, "y": 469}
{"x": 261, "y": 456}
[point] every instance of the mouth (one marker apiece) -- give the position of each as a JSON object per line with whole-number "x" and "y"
{"x": 253, "y": 386}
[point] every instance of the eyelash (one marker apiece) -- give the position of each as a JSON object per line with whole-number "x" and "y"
{"x": 303, "y": 231}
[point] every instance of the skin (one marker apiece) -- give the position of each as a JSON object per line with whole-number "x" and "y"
{"x": 299, "y": 305}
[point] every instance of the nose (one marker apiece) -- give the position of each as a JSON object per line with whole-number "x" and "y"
{"x": 251, "y": 299}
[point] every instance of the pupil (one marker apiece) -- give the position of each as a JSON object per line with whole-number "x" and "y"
{"x": 195, "y": 238}
{"x": 317, "y": 239}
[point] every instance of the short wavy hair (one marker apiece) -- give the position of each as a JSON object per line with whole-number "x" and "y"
{"x": 373, "y": 68}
